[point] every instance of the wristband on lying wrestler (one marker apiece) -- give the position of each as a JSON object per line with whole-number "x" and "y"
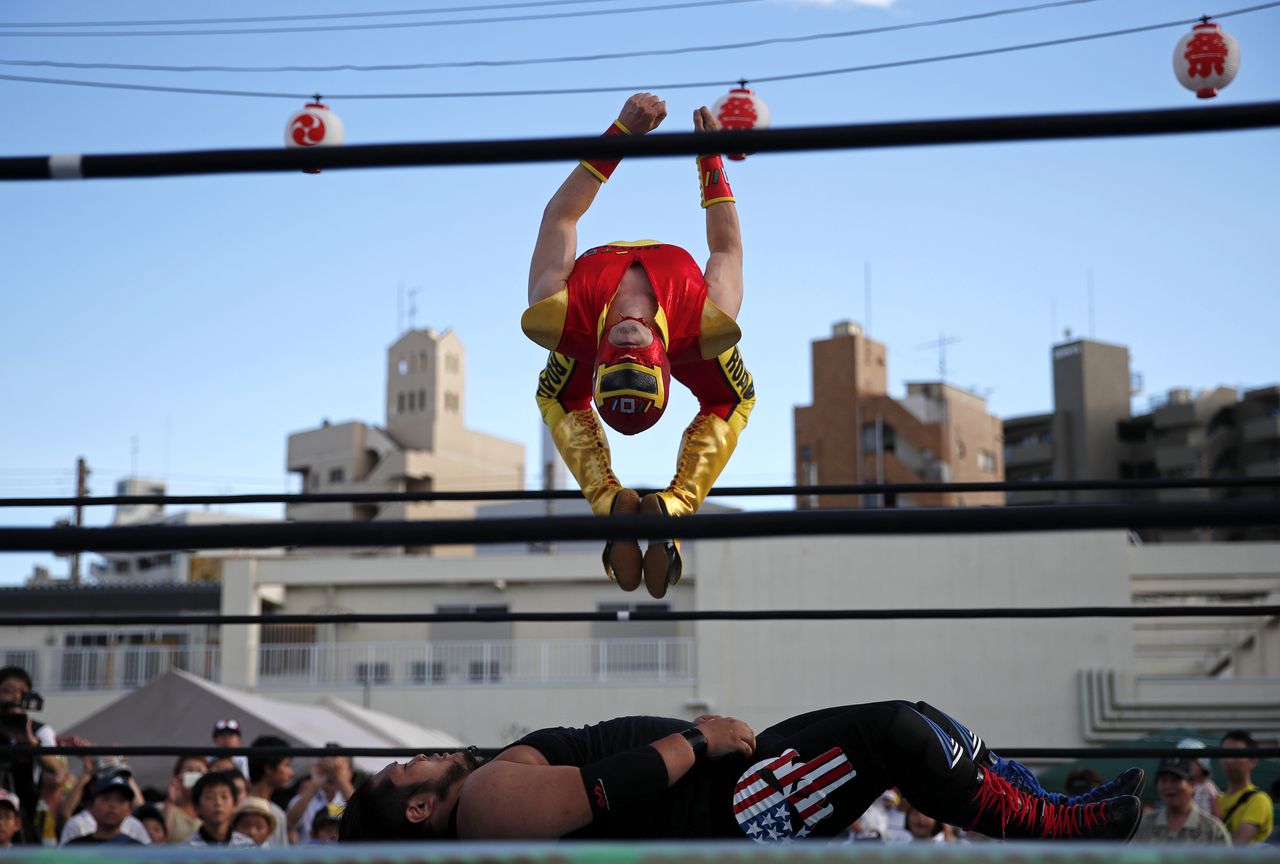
{"x": 603, "y": 168}
{"x": 697, "y": 741}
{"x": 713, "y": 182}
{"x": 624, "y": 780}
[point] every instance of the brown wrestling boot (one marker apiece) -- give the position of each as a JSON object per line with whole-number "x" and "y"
{"x": 622, "y": 557}
{"x": 662, "y": 564}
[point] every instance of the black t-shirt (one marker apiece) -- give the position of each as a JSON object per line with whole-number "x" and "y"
{"x": 120, "y": 839}
{"x": 700, "y": 804}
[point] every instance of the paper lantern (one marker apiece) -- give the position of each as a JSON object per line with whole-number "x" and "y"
{"x": 741, "y": 109}
{"x": 314, "y": 126}
{"x": 1206, "y": 59}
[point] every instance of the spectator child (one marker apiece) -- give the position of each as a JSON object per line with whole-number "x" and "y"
{"x": 10, "y": 818}
{"x": 324, "y": 825}
{"x": 1206, "y": 791}
{"x": 110, "y": 803}
{"x": 266, "y": 778}
{"x": 226, "y": 733}
{"x": 214, "y": 796}
{"x": 254, "y": 821}
{"x": 153, "y": 820}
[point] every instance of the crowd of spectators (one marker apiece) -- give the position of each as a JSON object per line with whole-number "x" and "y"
{"x": 219, "y": 799}
{"x": 232, "y": 800}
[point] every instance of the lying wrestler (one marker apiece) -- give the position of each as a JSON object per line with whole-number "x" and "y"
{"x": 620, "y": 321}
{"x": 658, "y": 778}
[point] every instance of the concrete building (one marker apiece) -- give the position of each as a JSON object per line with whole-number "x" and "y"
{"x": 1032, "y": 682}
{"x": 855, "y": 432}
{"x": 423, "y": 446}
{"x": 1092, "y": 434}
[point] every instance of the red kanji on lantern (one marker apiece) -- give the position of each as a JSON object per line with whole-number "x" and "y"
{"x": 741, "y": 109}
{"x": 1206, "y": 59}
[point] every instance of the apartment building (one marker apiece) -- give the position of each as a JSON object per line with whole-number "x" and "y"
{"x": 855, "y": 432}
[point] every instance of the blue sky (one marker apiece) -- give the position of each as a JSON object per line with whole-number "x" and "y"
{"x": 207, "y": 318}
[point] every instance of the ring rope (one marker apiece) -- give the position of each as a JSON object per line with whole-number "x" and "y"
{"x": 278, "y": 752}
{"x": 856, "y": 136}
{"x": 955, "y": 520}
{"x": 718, "y": 492}
{"x": 647, "y": 615}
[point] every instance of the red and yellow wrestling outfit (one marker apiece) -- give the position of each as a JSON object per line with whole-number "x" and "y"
{"x": 700, "y": 343}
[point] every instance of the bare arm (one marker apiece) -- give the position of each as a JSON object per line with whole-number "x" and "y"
{"x": 1244, "y": 834}
{"x": 724, "y": 240}
{"x": 521, "y": 797}
{"x": 557, "y": 244}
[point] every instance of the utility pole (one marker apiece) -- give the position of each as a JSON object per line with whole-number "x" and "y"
{"x": 82, "y": 489}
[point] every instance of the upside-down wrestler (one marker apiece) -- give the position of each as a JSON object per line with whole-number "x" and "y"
{"x": 620, "y": 321}
{"x": 655, "y": 778}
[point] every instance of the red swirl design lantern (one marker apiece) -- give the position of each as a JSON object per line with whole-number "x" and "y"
{"x": 741, "y": 109}
{"x": 1206, "y": 59}
{"x": 314, "y": 126}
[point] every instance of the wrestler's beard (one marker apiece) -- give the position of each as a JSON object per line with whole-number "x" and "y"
{"x": 456, "y": 772}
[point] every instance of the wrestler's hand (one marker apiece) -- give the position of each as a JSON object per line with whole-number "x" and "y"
{"x": 643, "y": 113}
{"x": 704, "y": 120}
{"x": 727, "y": 735}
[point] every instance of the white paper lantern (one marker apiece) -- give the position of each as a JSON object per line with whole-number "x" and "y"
{"x": 1206, "y": 59}
{"x": 314, "y": 126}
{"x": 741, "y": 109}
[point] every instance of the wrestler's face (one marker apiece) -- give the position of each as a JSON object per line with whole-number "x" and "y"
{"x": 439, "y": 770}
{"x": 630, "y": 334}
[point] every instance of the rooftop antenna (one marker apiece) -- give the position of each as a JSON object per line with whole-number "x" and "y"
{"x": 413, "y": 306}
{"x": 941, "y": 344}
{"x": 866, "y": 288}
{"x": 1090, "y": 289}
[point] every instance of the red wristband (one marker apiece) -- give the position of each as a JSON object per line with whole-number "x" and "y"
{"x": 603, "y": 168}
{"x": 713, "y": 181}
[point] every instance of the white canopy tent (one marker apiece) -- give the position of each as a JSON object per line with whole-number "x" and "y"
{"x": 180, "y": 709}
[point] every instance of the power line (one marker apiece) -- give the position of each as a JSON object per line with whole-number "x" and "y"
{"x": 313, "y": 17}
{"x": 631, "y": 88}
{"x": 575, "y": 58}
{"x": 395, "y": 25}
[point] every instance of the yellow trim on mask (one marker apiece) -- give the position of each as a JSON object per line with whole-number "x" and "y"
{"x": 659, "y": 400}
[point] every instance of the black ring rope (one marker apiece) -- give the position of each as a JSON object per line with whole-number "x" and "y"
{"x": 856, "y": 136}
{"x": 269, "y": 753}
{"x": 160, "y": 619}
{"x": 1147, "y": 484}
{"x": 957, "y": 520}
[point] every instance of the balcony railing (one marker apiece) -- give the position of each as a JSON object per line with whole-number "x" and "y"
{"x": 372, "y": 664}
{"x": 477, "y": 663}
{"x": 112, "y": 667}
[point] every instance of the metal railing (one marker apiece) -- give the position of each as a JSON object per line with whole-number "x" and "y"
{"x": 113, "y": 667}
{"x": 497, "y": 662}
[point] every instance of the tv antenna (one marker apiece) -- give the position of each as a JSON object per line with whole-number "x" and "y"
{"x": 940, "y": 345}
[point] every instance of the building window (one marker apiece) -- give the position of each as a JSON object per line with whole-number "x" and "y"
{"x": 422, "y": 361}
{"x": 451, "y": 402}
{"x": 422, "y": 400}
{"x": 336, "y": 475}
{"x": 402, "y": 366}
{"x": 960, "y": 450}
{"x": 887, "y": 438}
{"x": 987, "y": 461}
{"x": 399, "y": 403}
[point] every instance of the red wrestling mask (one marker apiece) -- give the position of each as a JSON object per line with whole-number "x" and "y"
{"x": 631, "y": 383}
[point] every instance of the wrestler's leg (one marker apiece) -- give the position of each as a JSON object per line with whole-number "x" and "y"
{"x": 896, "y": 744}
{"x": 1128, "y": 782}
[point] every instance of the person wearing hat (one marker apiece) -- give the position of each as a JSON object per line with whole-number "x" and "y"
{"x": 83, "y": 823}
{"x": 10, "y": 818}
{"x": 1206, "y": 791}
{"x": 254, "y": 821}
{"x": 226, "y": 733}
{"x": 111, "y": 803}
{"x": 1180, "y": 820}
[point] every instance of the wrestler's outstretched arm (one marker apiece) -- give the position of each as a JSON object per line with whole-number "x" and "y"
{"x": 724, "y": 239}
{"x": 557, "y": 246}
